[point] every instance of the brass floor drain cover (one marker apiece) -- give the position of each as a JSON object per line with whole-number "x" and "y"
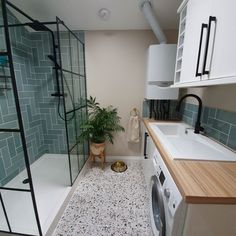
{"x": 119, "y": 166}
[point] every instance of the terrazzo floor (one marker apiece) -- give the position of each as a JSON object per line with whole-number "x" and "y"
{"x": 107, "y": 203}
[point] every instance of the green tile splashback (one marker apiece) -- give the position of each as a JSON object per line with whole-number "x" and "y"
{"x": 226, "y": 116}
{"x": 219, "y": 124}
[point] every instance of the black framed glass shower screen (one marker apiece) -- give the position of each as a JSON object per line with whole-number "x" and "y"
{"x": 17, "y": 200}
{"x": 73, "y": 81}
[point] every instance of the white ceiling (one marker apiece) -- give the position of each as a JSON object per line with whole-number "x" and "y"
{"x": 83, "y": 14}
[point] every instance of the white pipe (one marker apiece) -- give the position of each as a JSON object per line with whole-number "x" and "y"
{"x": 146, "y": 8}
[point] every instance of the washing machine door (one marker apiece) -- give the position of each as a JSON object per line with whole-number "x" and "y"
{"x": 157, "y": 210}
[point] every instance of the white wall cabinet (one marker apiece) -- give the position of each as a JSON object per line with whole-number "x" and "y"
{"x": 206, "y": 51}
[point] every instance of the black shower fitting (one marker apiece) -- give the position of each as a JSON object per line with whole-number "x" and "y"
{"x": 56, "y": 67}
{"x": 38, "y": 26}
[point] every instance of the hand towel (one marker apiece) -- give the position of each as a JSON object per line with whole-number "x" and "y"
{"x": 133, "y": 129}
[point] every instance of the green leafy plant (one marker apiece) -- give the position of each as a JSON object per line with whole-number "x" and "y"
{"x": 101, "y": 123}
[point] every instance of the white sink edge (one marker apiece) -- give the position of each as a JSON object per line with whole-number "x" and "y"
{"x": 175, "y": 155}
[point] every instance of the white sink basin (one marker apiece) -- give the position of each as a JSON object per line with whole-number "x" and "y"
{"x": 181, "y": 142}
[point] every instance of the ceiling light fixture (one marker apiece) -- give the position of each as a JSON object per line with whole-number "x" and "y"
{"x": 104, "y": 14}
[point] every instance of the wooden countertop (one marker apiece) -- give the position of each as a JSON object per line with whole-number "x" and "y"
{"x": 200, "y": 182}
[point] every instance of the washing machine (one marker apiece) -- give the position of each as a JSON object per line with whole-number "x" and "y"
{"x": 167, "y": 208}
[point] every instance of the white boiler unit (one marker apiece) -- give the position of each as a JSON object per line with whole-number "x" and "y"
{"x": 160, "y": 72}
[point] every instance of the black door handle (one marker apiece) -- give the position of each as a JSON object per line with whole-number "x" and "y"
{"x": 211, "y": 19}
{"x": 204, "y": 26}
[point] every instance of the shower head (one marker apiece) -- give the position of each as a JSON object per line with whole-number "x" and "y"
{"x": 38, "y": 26}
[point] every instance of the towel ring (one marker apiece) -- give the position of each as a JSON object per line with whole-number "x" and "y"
{"x": 134, "y": 112}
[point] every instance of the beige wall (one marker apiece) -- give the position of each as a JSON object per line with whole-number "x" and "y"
{"x": 222, "y": 96}
{"x": 115, "y": 65}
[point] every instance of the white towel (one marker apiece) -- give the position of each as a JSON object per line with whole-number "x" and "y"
{"x": 133, "y": 129}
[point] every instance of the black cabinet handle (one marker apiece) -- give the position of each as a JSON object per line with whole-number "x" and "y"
{"x": 211, "y": 19}
{"x": 204, "y": 26}
{"x": 145, "y": 145}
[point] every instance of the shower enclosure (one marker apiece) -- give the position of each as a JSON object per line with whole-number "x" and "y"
{"x": 42, "y": 104}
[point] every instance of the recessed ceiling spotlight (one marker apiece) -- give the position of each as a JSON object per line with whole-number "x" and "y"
{"x": 104, "y": 14}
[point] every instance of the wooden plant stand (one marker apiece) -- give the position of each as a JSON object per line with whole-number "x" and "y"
{"x": 97, "y": 149}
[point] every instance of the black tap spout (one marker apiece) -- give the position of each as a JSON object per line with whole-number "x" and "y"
{"x": 198, "y": 127}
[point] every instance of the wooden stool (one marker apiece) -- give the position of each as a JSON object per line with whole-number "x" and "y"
{"x": 97, "y": 149}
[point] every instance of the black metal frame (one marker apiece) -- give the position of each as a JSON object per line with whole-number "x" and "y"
{"x": 20, "y": 120}
{"x": 60, "y": 22}
{"x": 63, "y": 94}
{"x": 20, "y": 130}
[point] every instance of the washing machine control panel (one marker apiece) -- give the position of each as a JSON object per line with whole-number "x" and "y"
{"x": 171, "y": 194}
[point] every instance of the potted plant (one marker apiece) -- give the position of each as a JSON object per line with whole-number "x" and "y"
{"x": 100, "y": 126}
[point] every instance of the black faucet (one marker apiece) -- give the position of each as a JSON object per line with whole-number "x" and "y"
{"x": 198, "y": 127}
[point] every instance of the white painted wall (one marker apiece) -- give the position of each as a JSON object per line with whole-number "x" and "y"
{"x": 116, "y": 67}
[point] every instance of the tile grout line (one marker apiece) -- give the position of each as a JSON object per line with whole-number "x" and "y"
{"x": 227, "y": 141}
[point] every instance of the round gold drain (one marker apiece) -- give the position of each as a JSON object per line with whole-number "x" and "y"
{"x": 119, "y": 166}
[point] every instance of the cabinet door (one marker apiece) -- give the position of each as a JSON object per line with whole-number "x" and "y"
{"x": 221, "y": 59}
{"x": 150, "y": 147}
{"x": 197, "y": 14}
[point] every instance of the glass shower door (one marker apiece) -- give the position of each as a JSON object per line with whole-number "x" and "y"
{"x": 73, "y": 83}
{"x": 18, "y": 211}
